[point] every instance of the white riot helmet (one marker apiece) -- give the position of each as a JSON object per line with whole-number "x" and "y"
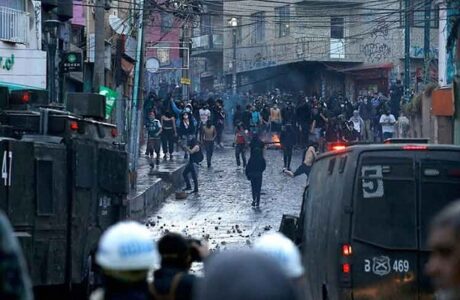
{"x": 127, "y": 246}
{"x": 283, "y": 251}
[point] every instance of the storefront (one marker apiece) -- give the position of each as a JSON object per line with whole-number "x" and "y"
{"x": 369, "y": 79}
{"x": 20, "y": 66}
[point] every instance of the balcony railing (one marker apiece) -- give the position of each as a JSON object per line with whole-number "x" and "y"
{"x": 208, "y": 42}
{"x": 14, "y": 25}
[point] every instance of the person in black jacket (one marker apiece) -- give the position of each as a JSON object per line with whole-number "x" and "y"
{"x": 187, "y": 129}
{"x": 288, "y": 139}
{"x": 195, "y": 151}
{"x": 254, "y": 172}
{"x": 173, "y": 280}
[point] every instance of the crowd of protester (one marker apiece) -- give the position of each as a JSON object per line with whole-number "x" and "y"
{"x": 302, "y": 119}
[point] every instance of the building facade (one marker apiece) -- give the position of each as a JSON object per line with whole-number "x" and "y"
{"x": 207, "y": 49}
{"x": 22, "y": 61}
{"x": 326, "y": 47}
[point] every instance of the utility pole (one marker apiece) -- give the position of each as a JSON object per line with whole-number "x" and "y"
{"x": 426, "y": 43}
{"x": 407, "y": 50}
{"x": 234, "y": 79}
{"x": 136, "y": 109}
{"x": 99, "y": 45}
{"x": 185, "y": 73}
{"x": 456, "y": 83}
{"x": 234, "y": 23}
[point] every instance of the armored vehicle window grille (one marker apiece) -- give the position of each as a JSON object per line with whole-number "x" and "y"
{"x": 440, "y": 184}
{"x": 44, "y": 188}
{"x": 330, "y": 169}
{"x": 343, "y": 162}
{"x": 385, "y": 203}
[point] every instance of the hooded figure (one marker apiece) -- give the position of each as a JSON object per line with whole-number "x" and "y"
{"x": 244, "y": 275}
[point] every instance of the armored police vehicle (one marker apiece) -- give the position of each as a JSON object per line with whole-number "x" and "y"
{"x": 63, "y": 181}
{"x": 365, "y": 219}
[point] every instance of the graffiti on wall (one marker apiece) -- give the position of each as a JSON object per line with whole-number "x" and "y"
{"x": 419, "y": 52}
{"x": 377, "y": 50}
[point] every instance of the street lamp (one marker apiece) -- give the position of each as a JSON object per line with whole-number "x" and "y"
{"x": 234, "y": 24}
{"x": 51, "y": 34}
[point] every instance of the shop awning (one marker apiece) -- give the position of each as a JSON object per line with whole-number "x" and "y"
{"x": 368, "y": 67}
{"x": 15, "y": 87}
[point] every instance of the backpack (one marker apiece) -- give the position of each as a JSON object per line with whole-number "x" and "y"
{"x": 172, "y": 292}
{"x": 153, "y": 128}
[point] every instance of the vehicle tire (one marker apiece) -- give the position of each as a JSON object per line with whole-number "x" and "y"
{"x": 324, "y": 292}
{"x": 89, "y": 282}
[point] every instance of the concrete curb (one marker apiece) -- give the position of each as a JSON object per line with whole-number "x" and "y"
{"x": 153, "y": 187}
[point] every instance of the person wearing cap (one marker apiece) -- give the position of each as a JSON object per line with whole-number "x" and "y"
{"x": 125, "y": 254}
{"x": 284, "y": 252}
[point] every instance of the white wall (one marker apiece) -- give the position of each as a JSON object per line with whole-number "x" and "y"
{"x": 29, "y": 67}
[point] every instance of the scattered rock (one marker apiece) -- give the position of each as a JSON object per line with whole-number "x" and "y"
{"x": 248, "y": 242}
{"x": 216, "y": 228}
{"x": 267, "y": 228}
{"x": 228, "y": 232}
{"x": 159, "y": 217}
{"x": 223, "y": 243}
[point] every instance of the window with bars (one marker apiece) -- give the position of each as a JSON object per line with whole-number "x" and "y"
{"x": 258, "y": 32}
{"x": 282, "y": 21}
{"x": 337, "y": 42}
{"x": 167, "y": 20}
{"x": 205, "y": 24}
{"x": 417, "y": 13}
{"x": 337, "y": 28}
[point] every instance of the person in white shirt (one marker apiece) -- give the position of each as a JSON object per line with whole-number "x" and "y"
{"x": 205, "y": 116}
{"x": 358, "y": 126}
{"x": 388, "y": 121}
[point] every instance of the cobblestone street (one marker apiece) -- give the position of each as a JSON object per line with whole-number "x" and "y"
{"x": 222, "y": 211}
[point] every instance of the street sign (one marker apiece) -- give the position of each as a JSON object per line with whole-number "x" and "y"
{"x": 110, "y": 99}
{"x": 185, "y": 81}
{"x": 72, "y": 62}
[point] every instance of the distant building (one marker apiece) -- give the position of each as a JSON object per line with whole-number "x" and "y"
{"x": 163, "y": 40}
{"x": 22, "y": 61}
{"x": 325, "y": 47}
{"x": 207, "y": 49}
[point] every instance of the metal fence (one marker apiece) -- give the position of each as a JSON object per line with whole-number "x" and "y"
{"x": 14, "y": 25}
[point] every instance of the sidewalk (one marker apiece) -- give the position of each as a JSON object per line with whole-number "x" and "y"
{"x": 154, "y": 185}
